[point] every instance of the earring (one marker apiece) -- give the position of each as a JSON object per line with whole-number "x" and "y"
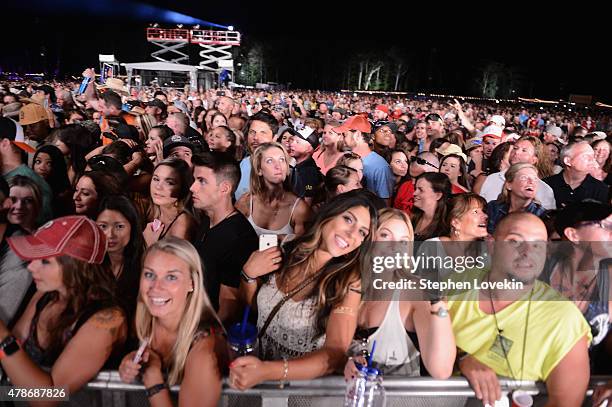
{"x": 456, "y": 232}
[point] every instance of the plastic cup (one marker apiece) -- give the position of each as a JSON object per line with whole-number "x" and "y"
{"x": 242, "y": 341}
{"x": 521, "y": 399}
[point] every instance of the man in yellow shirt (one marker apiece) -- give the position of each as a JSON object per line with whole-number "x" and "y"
{"x": 524, "y": 334}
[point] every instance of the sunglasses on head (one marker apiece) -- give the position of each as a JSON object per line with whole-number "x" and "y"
{"x": 421, "y": 161}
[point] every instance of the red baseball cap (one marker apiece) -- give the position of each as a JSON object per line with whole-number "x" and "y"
{"x": 357, "y": 122}
{"x": 382, "y": 108}
{"x": 73, "y": 236}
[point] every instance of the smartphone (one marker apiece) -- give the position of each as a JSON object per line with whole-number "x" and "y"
{"x": 221, "y": 93}
{"x": 267, "y": 241}
{"x": 141, "y": 349}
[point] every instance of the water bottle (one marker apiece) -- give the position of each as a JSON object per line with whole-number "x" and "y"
{"x": 242, "y": 341}
{"x": 366, "y": 389}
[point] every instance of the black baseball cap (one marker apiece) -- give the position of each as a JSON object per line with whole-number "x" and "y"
{"x": 434, "y": 117}
{"x": 157, "y": 103}
{"x": 176, "y": 141}
{"x": 391, "y": 125}
{"x": 48, "y": 90}
{"x": 576, "y": 213}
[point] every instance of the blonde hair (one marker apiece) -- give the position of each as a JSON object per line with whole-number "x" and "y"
{"x": 543, "y": 165}
{"x": 257, "y": 183}
{"x": 198, "y": 314}
{"x": 388, "y": 214}
{"x": 510, "y": 176}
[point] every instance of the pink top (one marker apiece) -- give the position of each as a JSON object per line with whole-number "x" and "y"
{"x": 319, "y": 158}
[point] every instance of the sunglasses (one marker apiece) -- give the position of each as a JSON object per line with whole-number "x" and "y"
{"x": 421, "y": 161}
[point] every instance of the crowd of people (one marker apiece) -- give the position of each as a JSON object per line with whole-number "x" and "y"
{"x": 134, "y": 216}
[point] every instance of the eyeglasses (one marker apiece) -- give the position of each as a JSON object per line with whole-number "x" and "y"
{"x": 525, "y": 178}
{"x": 421, "y": 161}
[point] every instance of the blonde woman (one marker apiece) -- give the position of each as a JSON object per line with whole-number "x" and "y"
{"x": 330, "y": 151}
{"x": 518, "y": 195}
{"x": 184, "y": 335}
{"x": 270, "y": 206}
{"x": 398, "y": 324}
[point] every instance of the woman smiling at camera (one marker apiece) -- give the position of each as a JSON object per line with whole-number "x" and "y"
{"x": 175, "y": 318}
{"x": 307, "y": 311}
{"x": 72, "y": 325}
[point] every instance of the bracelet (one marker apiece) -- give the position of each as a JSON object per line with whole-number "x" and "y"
{"x": 153, "y": 390}
{"x": 285, "y": 373}
{"x": 463, "y": 356}
{"x": 246, "y": 278}
{"x": 9, "y": 346}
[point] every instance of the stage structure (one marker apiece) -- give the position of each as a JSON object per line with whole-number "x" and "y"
{"x": 216, "y": 53}
{"x": 161, "y": 72}
{"x": 171, "y": 42}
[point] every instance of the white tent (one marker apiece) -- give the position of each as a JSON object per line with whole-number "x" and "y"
{"x": 163, "y": 67}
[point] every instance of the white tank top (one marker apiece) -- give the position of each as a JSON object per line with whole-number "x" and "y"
{"x": 395, "y": 353}
{"x": 285, "y": 230}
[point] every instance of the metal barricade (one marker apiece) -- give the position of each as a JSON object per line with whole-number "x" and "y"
{"x": 107, "y": 390}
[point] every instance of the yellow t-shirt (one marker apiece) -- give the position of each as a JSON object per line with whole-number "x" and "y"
{"x": 555, "y": 326}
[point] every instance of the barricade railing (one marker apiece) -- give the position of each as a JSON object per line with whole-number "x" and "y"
{"x": 327, "y": 391}
{"x": 107, "y": 390}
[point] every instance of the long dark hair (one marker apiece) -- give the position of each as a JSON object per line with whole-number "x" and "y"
{"x": 85, "y": 285}
{"x": 184, "y": 175}
{"x": 462, "y": 179}
{"x": 79, "y": 141}
{"x": 106, "y": 184}
{"x": 438, "y": 226}
{"x": 497, "y": 156}
{"x": 339, "y": 273}
{"x": 58, "y": 178}
{"x": 129, "y": 278}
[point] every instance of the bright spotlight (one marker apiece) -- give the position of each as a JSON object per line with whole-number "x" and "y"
{"x": 179, "y": 25}
{"x": 231, "y": 28}
{"x": 196, "y": 27}
{"x": 155, "y": 25}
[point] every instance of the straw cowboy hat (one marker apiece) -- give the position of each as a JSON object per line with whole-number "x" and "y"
{"x": 115, "y": 84}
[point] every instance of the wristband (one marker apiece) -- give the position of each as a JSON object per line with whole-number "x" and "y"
{"x": 246, "y": 278}
{"x": 9, "y": 346}
{"x": 153, "y": 390}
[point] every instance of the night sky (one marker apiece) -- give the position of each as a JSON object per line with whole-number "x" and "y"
{"x": 309, "y": 42}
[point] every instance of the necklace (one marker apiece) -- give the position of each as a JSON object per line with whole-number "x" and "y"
{"x": 502, "y": 339}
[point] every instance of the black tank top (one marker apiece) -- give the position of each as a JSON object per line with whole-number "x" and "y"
{"x": 45, "y": 358}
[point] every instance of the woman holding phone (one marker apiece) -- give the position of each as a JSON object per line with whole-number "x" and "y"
{"x": 307, "y": 310}
{"x": 181, "y": 334}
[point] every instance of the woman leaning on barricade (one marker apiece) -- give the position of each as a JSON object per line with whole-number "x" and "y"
{"x": 181, "y": 337}
{"x": 405, "y": 329}
{"x": 72, "y": 325}
{"x": 307, "y": 310}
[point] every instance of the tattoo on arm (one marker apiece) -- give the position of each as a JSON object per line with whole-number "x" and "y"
{"x": 108, "y": 319}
